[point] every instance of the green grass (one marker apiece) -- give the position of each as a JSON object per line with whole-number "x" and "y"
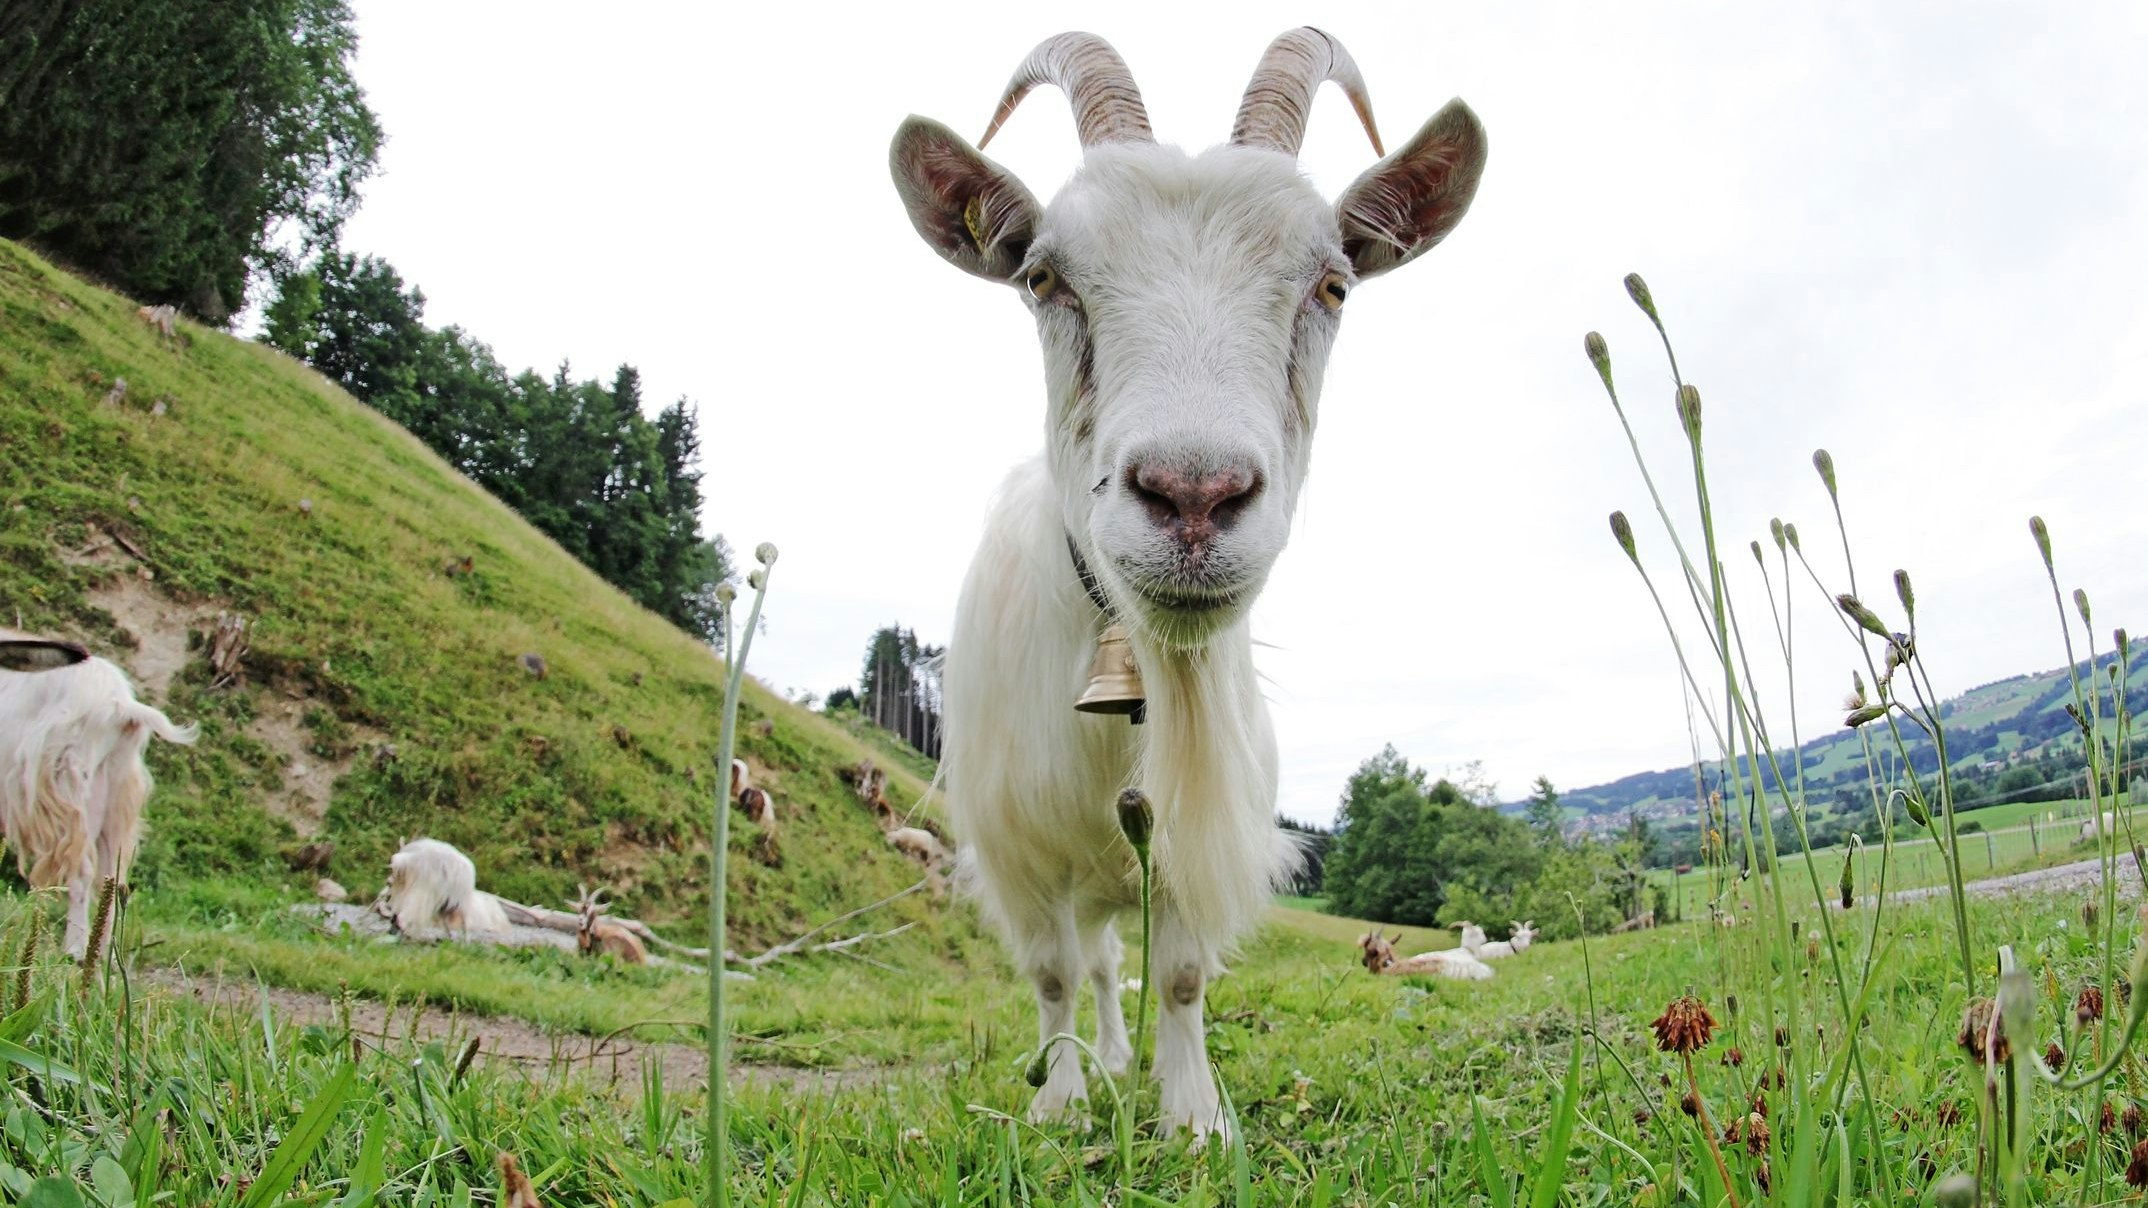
{"x": 1349, "y": 1086}
{"x": 598, "y": 773}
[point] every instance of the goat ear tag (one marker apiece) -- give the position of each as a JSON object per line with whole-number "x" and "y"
{"x": 973, "y": 218}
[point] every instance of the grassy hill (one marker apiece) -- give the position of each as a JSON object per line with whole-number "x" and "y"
{"x": 383, "y": 697}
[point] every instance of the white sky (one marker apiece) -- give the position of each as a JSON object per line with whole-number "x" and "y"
{"x": 1918, "y": 238}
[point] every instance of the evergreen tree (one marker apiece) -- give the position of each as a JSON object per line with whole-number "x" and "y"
{"x": 1545, "y": 815}
{"x": 169, "y": 148}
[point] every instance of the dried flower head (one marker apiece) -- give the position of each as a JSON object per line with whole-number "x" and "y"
{"x": 1684, "y": 1027}
{"x": 1980, "y": 1036}
{"x": 1734, "y": 1131}
{"x": 1734, "y": 1057}
{"x": 2131, "y": 1119}
{"x": 1689, "y": 1103}
{"x": 1641, "y": 1117}
{"x": 2042, "y": 532}
{"x": 2088, "y": 1004}
{"x": 1947, "y": 1114}
{"x": 1759, "y": 1103}
{"x": 2137, "y": 1169}
{"x": 1756, "y": 1135}
{"x": 2055, "y": 1058}
{"x": 1782, "y": 1037}
{"x": 1764, "y": 1178}
{"x": 2106, "y": 1120}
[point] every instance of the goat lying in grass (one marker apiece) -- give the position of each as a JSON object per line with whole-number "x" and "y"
{"x": 1378, "y": 953}
{"x": 433, "y": 886}
{"x": 72, "y": 777}
{"x": 1523, "y": 934}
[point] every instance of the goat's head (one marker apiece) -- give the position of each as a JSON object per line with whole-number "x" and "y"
{"x": 1186, "y": 305}
{"x": 1377, "y": 951}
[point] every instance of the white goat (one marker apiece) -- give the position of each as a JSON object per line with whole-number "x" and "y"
{"x": 920, "y": 845}
{"x": 2088, "y": 825}
{"x": 72, "y": 779}
{"x": 431, "y": 885}
{"x": 1186, "y": 305}
{"x": 1459, "y": 964}
{"x": 1524, "y": 933}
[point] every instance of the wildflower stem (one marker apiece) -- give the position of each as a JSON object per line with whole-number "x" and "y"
{"x": 1707, "y": 1131}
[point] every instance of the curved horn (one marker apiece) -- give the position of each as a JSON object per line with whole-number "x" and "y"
{"x": 1107, "y": 105}
{"x": 1281, "y": 92}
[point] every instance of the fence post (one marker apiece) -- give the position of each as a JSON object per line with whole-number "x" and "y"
{"x": 2035, "y": 844}
{"x": 1991, "y": 853}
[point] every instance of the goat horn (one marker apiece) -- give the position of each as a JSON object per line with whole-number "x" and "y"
{"x": 1107, "y": 105}
{"x": 1280, "y": 95}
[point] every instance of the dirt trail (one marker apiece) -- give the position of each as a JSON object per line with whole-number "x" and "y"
{"x": 2060, "y": 877}
{"x": 504, "y": 1038}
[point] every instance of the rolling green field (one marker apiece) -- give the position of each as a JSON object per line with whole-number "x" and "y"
{"x": 2014, "y": 838}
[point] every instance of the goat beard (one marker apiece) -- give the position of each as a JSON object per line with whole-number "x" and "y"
{"x": 1209, "y": 768}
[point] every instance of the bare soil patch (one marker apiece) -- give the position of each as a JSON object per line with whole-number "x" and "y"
{"x": 502, "y": 1039}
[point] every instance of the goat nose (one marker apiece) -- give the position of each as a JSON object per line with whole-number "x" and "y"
{"x": 1193, "y": 505}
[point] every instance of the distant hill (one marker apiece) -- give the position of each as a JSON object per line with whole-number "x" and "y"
{"x": 1988, "y": 729}
{"x": 385, "y": 694}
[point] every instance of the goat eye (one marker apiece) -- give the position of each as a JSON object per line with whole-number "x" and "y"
{"x": 1043, "y": 282}
{"x": 1332, "y": 290}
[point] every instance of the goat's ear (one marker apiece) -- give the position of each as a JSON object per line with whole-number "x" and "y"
{"x": 1409, "y": 201}
{"x": 971, "y": 211}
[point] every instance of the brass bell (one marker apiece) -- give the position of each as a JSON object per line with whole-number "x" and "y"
{"x": 1114, "y": 678}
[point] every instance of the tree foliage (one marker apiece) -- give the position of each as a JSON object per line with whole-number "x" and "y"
{"x": 899, "y": 688}
{"x": 578, "y": 459}
{"x": 176, "y": 149}
{"x": 1411, "y": 850}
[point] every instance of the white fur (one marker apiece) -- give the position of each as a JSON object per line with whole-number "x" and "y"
{"x": 1459, "y": 964}
{"x": 72, "y": 779}
{"x": 1524, "y": 933}
{"x": 2088, "y": 825}
{"x": 920, "y": 845}
{"x": 1187, "y": 335}
{"x": 432, "y": 887}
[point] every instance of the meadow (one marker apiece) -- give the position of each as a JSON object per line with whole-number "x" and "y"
{"x": 1960, "y": 1049}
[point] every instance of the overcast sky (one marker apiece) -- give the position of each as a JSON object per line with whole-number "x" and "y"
{"x": 1917, "y": 238}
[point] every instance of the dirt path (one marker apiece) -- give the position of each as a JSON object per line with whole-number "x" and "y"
{"x": 2080, "y": 874}
{"x": 504, "y": 1039}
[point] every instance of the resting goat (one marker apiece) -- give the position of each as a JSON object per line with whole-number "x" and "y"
{"x": 72, "y": 778}
{"x": 1459, "y": 964}
{"x": 433, "y": 886}
{"x": 1519, "y": 941}
{"x": 1186, "y": 305}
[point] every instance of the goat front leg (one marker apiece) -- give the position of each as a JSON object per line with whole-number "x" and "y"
{"x": 78, "y": 903}
{"x": 1104, "y": 953}
{"x": 1181, "y": 968}
{"x": 1050, "y": 952}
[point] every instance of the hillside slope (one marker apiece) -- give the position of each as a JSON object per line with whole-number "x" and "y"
{"x": 383, "y": 696}
{"x": 1987, "y": 727}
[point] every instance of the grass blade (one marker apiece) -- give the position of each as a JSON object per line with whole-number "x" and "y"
{"x": 298, "y": 1145}
{"x": 1551, "y": 1168}
{"x": 1494, "y": 1179}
